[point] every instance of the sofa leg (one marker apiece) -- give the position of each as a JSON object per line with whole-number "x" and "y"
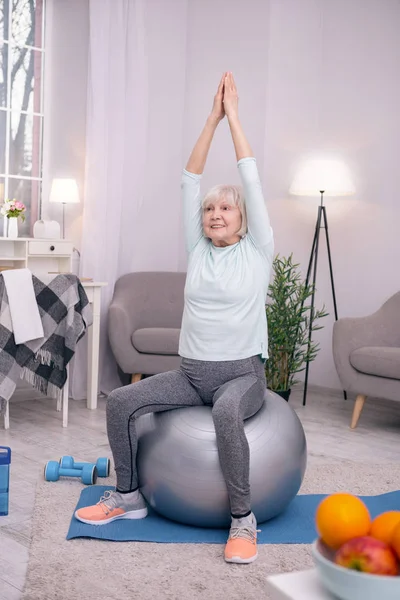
{"x": 358, "y": 406}
{"x": 136, "y": 377}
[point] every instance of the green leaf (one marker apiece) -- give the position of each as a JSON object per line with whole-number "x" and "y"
{"x": 289, "y": 316}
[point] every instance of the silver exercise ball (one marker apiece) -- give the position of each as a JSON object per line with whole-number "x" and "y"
{"x": 179, "y": 471}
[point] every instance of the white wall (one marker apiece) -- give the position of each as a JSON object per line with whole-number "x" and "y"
{"x": 312, "y": 75}
{"x": 333, "y": 86}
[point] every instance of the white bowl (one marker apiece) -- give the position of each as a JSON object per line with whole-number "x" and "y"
{"x": 348, "y": 584}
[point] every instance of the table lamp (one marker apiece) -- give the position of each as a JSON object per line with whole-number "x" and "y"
{"x": 64, "y": 191}
{"x": 316, "y": 177}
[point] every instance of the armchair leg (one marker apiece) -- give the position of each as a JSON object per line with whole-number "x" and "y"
{"x": 136, "y": 377}
{"x": 358, "y": 406}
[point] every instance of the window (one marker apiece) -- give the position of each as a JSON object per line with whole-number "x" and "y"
{"x": 21, "y": 97}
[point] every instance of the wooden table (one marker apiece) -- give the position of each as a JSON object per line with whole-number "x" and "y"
{"x": 93, "y": 292}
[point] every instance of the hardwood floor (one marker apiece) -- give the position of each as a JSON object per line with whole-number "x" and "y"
{"x": 36, "y": 436}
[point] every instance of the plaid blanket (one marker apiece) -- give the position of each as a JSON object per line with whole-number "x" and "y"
{"x": 65, "y": 313}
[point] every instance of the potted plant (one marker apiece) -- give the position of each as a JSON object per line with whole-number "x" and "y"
{"x": 289, "y": 315}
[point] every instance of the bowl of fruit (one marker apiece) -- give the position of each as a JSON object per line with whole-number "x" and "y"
{"x": 357, "y": 557}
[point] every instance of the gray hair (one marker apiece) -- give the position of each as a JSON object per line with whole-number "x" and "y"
{"x": 232, "y": 194}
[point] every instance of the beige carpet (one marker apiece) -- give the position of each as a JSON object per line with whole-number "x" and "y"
{"x": 98, "y": 570}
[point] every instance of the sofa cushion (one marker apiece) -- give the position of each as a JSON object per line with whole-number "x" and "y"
{"x": 377, "y": 360}
{"x": 156, "y": 340}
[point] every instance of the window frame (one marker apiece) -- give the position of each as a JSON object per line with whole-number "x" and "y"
{"x": 35, "y": 209}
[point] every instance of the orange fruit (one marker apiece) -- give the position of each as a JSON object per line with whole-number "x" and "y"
{"x": 341, "y": 517}
{"x": 395, "y": 541}
{"x": 383, "y": 526}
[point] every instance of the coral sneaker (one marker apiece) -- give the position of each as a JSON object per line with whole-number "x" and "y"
{"x": 241, "y": 546}
{"x": 112, "y": 506}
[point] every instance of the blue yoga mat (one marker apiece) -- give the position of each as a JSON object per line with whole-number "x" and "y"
{"x": 294, "y": 526}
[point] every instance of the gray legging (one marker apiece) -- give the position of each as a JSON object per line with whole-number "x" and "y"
{"x": 235, "y": 389}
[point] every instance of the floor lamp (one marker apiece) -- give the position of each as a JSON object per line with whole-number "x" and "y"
{"x": 317, "y": 177}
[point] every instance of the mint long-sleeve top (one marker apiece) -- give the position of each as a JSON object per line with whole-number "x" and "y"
{"x": 224, "y": 314}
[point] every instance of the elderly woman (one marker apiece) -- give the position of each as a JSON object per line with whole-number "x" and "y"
{"x": 223, "y": 342}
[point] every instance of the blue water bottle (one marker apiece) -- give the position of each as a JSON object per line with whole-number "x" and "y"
{"x": 5, "y": 460}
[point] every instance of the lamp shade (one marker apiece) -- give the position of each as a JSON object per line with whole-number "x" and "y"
{"x": 65, "y": 191}
{"x": 317, "y": 175}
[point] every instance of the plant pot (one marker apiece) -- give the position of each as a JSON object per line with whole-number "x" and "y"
{"x": 284, "y": 394}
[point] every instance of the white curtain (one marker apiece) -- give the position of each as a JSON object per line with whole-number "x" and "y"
{"x": 123, "y": 228}
{"x": 116, "y": 129}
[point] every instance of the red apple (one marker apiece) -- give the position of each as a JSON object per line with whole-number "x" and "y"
{"x": 368, "y": 555}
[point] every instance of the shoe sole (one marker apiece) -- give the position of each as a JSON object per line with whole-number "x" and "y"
{"x": 132, "y": 514}
{"x": 241, "y": 561}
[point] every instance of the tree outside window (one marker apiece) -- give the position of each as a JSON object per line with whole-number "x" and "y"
{"x": 21, "y": 110}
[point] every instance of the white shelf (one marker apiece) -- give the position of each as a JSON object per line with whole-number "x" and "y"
{"x": 49, "y": 255}
{"x": 28, "y": 239}
{"x": 21, "y": 254}
{"x": 12, "y": 258}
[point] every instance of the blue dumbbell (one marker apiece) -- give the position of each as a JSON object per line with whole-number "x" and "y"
{"x": 53, "y": 471}
{"x": 102, "y": 464}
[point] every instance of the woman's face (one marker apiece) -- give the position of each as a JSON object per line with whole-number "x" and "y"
{"x": 221, "y": 222}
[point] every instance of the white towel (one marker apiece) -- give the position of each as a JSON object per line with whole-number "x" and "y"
{"x": 25, "y": 317}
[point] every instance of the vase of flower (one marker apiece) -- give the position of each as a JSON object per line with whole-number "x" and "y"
{"x": 13, "y": 210}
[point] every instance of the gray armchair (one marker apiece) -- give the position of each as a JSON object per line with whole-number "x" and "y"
{"x": 144, "y": 322}
{"x": 366, "y": 351}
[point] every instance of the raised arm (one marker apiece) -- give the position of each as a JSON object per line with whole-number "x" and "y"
{"x": 198, "y": 157}
{"x": 231, "y": 106}
{"x": 192, "y": 214}
{"x": 258, "y": 224}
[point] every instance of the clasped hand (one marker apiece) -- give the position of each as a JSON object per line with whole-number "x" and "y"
{"x": 226, "y": 99}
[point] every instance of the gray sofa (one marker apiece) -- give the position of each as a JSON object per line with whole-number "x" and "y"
{"x": 366, "y": 351}
{"x": 144, "y": 322}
